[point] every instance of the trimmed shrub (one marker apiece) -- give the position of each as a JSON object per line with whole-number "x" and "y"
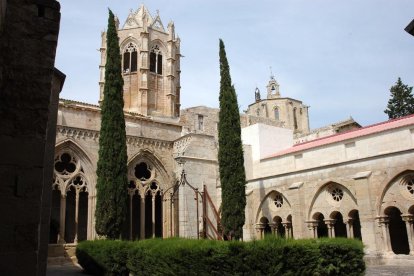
{"x": 103, "y": 257}
{"x": 176, "y": 256}
{"x": 341, "y": 256}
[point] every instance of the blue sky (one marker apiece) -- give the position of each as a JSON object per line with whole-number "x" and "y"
{"x": 339, "y": 57}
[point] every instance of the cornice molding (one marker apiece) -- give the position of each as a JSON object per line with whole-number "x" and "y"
{"x": 80, "y": 133}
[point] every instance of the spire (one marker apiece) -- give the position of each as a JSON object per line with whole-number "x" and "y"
{"x": 171, "y": 30}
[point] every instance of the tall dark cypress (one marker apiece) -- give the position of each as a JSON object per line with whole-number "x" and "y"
{"x": 230, "y": 155}
{"x": 401, "y": 102}
{"x": 111, "y": 204}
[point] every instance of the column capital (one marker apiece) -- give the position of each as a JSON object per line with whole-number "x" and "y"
{"x": 273, "y": 225}
{"x": 312, "y": 224}
{"x": 259, "y": 226}
{"x": 408, "y": 218}
{"x": 287, "y": 224}
{"x": 382, "y": 220}
{"x": 349, "y": 221}
{"x": 329, "y": 222}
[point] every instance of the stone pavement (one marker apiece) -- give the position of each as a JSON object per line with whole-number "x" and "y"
{"x": 64, "y": 270}
{"x": 387, "y": 270}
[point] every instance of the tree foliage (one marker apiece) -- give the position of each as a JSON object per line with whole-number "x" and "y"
{"x": 111, "y": 205}
{"x": 401, "y": 102}
{"x": 230, "y": 155}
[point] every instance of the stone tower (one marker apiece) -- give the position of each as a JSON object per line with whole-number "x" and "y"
{"x": 150, "y": 65}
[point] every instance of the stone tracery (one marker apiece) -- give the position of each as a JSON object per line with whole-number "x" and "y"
{"x": 70, "y": 215}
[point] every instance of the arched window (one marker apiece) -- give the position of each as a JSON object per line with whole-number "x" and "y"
{"x": 130, "y": 58}
{"x": 276, "y": 112}
{"x": 156, "y": 60}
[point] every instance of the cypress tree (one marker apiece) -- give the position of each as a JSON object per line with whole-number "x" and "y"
{"x": 111, "y": 204}
{"x": 401, "y": 102}
{"x": 230, "y": 155}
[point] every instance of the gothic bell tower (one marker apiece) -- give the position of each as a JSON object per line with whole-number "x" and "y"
{"x": 150, "y": 65}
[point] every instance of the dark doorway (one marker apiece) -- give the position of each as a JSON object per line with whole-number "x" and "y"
{"x": 279, "y": 227}
{"x": 339, "y": 226}
{"x": 136, "y": 216}
{"x": 148, "y": 215}
{"x": 158, "y": 215}
{"x": 322, "y": 229}
{"x": 83, "y": 216}
{"x": 398, "y": 231}
{"x": 70, "y": 215}
{"x": 356, "y": 224}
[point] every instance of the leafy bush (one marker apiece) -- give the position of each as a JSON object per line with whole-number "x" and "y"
{"x": 103, "y": 257}
{"x": 270, "y": 256}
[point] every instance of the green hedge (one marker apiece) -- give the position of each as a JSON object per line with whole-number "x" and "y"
{"x": 104, "y": 257}
{"x": 205, "y": 257}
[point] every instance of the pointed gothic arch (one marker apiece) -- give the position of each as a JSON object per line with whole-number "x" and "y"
{"x": 332, "y": 196}
{"x": 396, "y": 184}
{"x": 148, "y": 179}
{"x": 274, "y": 198}
{"x": 129, "y": 51}
{"x": 72, "y": 206}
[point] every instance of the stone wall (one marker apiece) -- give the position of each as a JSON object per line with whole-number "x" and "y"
{"x": 27, "y": 116}
{"x": 373, "y": 172}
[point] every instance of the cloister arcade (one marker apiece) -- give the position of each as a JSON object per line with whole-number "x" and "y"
{"x": 274, "y": 216}
{"x": 73, "y": 197}
{"x": 396, "y": 214}
{"x": 334, "y": 212}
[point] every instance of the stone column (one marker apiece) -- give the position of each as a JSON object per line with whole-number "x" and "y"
{"x": 273, "y": 226}
{"x": 171, "y": 215}
{"x": 313, "y": 226}
{"x": 259, "y": 230}
{"x": 130, "y": 214}
{"x": 142, "y": 223}
{"x": 331, "y": 229}
{"x": 383, "y": 222}
{"x": 76, "y": 215}
{"x": 409, "y": 219}
{"x": 350, "y": 228}
{"x": 62, "y": 219}
{"x": 153, "y": 215}
{"x": 288, "y": 228}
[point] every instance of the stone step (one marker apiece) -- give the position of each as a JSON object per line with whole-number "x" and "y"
{"x": 59, "y": 254}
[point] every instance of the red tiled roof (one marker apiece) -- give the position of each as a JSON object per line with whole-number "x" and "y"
{"x": 376, "y": 128}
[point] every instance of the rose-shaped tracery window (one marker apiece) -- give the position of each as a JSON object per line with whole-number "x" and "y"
{"x": 278, "y": 200}
{"x": 337, "y": 194}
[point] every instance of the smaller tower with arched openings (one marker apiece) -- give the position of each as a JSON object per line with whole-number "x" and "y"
{"x": 150, "y": 65}
{"x": 290, "y": 113}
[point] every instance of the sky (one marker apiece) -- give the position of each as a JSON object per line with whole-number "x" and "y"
{"x": 340, "y": 57}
